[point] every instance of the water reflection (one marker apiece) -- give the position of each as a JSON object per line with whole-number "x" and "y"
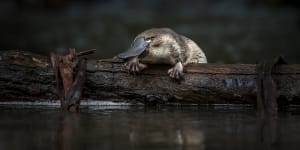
{"x": 268, "y": 133}
{"x": 68, "y": 127}
{"x": 166, "y": 133}
{"x": 140, "y": 128}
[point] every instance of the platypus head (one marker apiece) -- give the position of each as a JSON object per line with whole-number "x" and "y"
{"x": 149, "y": 40}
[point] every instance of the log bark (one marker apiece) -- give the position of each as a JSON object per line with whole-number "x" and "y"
{"x": 28, "y": 77}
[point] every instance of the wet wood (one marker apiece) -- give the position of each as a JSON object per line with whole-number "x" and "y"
{"x": 107, "y": 80}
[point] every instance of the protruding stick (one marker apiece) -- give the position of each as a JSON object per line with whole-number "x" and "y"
{"x": 86, "y": 52}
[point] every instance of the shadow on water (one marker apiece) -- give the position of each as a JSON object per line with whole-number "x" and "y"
{"x": 143, "y": 128}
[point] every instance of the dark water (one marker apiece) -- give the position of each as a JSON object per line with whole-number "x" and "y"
{"x": 228, "y": 31}
{"x": 142, "y": 128}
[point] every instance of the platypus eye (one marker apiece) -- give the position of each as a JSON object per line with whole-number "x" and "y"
{"x": 148, "y": 40}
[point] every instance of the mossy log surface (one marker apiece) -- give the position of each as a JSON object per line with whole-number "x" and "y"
{"x": 25, "y": 76}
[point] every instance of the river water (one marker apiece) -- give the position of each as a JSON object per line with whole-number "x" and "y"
{"x": 147, "y": 128}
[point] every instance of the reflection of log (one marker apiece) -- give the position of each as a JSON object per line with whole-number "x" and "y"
{"x": 206, "y": 83}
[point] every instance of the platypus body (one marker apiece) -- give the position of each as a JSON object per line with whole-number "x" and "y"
{"x": 162, "y": 46}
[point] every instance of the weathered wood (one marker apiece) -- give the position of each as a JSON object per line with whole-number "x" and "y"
{"x": 107, "y": 80}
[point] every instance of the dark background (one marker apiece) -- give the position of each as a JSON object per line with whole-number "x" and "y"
{"x": 229, "y": 31}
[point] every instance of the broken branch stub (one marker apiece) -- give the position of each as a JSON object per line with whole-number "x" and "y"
{"x": 63, "y": 66}
{"x": 75, "y": 93}
{"x": 267, "y": 92}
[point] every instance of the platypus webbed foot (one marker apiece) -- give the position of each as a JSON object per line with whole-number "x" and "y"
{"x": 176, "y": 72}
{"x": 135, "y": 66}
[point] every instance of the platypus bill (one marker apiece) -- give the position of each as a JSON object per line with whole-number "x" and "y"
{"x": 162, "y": 46}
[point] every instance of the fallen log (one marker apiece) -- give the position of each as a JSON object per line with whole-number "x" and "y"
{"x": 28, "y": 77}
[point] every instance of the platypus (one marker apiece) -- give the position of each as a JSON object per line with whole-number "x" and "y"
{"x": 162, "y": 46}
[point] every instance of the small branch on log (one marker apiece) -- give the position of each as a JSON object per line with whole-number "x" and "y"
{"x": 86, "y": 52}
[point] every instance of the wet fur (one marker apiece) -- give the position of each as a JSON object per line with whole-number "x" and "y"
{"x": 168, "y": 47}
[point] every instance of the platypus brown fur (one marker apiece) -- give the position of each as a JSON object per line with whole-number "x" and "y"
{"x": 162, "y": 46}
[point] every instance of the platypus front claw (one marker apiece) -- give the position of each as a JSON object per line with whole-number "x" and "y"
{"x": 135, "y": 66}
{"x": 176, "y": 72}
